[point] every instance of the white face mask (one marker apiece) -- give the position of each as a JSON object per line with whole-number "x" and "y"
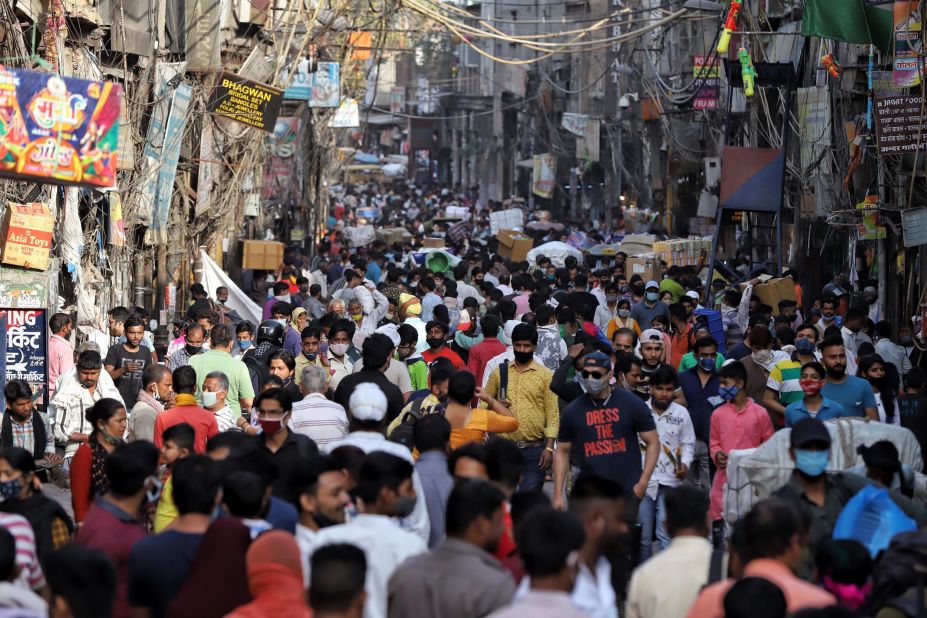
{"x": 338, "y": 349}
{"x": 210, "y": 399}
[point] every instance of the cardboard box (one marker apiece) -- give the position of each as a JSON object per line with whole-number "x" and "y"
{"x": 262, "y": 254}
{"x": 648, "y": 267}
{"x": 772, "y": 290}
{"x": 392, "y": 235}
{"x": 433, "y": 243}
{"x": 514, "y": 245}
{"x": 27, "y": 235}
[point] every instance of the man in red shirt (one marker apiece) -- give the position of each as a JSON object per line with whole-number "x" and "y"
{"x": 490, "y": 347}
{"x": 437, "y": 345}
{"x": 112, "y": 523}
{"x": 186, "y": 410}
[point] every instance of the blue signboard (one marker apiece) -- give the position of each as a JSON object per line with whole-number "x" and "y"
{"x": 27, "y": 350}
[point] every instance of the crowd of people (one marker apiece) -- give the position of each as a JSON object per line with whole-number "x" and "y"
{"x": 502, "y": 438}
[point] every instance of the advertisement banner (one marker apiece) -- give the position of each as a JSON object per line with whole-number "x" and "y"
{"x": 545, "y": 175}
{"x": 26, "y": 350}
{"x": 709, "y": 78}
{"x": 245, "y": 101}
{"x": 59, "y": 130}
{"x": 27, "y": 235}
{"x": 907, "y": 64}
{"x": 871, "y": 227}
{"x": 117, "y": 225}
{"x": 281, "y": 173}
{"x": 575, "y": 123}
{"x": 347, "y": 116}
{"x": 397, "y": 100}
{"x": 170, "y": 155}
{"x": 325, "y": 85}
{"x": 297, "y": 86}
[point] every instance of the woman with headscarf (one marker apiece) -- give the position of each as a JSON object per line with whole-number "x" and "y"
{"x": 275, "y": 578}
{"x": 220, "y": 558}
{"x": 292, "y": 341}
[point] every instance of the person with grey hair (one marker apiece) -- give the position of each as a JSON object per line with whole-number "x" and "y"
{"x": 315, "y": 416}
{"x": 215, "y": 391}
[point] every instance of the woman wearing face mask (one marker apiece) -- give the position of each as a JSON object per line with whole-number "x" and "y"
{"x": 622, "y": 319}
{"x": 88, "y": 479}
{"x": 22, "y": 494}
{"x": 872, "y": 368}
{"x": 813, "y": 404}
{"x": 292, "y": 341}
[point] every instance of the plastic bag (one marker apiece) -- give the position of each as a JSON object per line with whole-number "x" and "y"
{"x": 872, "y": 518}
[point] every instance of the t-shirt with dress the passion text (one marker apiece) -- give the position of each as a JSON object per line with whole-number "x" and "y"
{"x": 604, "y": 435}
{"x": 129, "y": 383}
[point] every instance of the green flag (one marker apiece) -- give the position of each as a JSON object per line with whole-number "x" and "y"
{"x": 850, "y": 21}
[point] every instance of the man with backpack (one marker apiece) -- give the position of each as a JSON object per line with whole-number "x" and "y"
{"x": 269, "y": 339}
{"x": 400, "y": 430}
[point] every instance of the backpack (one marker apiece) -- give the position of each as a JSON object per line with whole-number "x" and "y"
{"x": 403, "y": 434}
{"x": 257, "y": 366}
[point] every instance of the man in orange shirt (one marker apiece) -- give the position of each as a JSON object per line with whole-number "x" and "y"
{"x": 437, "y": 345}
{"x": 680, "y": 338}
{"x": 186, "y": 410}
{"x": 772, "y": 537}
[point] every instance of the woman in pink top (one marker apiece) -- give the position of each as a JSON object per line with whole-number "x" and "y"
{"x": 741, "y": 423}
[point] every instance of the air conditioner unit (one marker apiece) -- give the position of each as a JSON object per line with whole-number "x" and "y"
{"x": 712, "y": 171}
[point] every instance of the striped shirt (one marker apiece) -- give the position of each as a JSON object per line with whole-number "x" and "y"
{"x": 30, "y": 574}
{"x": 320, "y": 419}
{"x": 225, "y": 420}
{"x": 784, "y": 379}
{"x": 437, "y": 483}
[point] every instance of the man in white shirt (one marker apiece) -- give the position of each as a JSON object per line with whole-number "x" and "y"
{"x": 890, "y": 351}
{"x": 669, "y": 583}
{"x": 367, "y": 423}
{"x": 320, "y": 486}
{"x": 319, "y": 418}
{"x": 852, "y": 330}
{"x": 677, "y": 450}
{"x": 384, "y": 492}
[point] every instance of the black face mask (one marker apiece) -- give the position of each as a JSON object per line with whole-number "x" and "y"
{"x": 637, "y": 290}
{"x": 523, "y": 358}
{"x": 434, "y": 342}
{"x": 323, "y": 521}
{"x": 193, "y": 350}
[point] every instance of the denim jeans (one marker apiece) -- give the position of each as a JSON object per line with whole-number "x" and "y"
{"x": 532, "y": 477}
{"x": 652, "y": 519}
{"x": 700, "y": 472}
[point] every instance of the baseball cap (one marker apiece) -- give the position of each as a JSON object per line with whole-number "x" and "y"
{"x": 597, "y": 359}
{"x": 652, "y": 284}
{"x": 651, "y": 334}
{"x": 882, "y": 454}
{"x": 807, "y": 431}
{"x": 693, "y": 295}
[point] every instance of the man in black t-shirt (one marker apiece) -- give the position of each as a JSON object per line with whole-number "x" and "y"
{"x": 603, "y": 426}
{"x": 125, "y": 362}
{"x": 375, "y": 352}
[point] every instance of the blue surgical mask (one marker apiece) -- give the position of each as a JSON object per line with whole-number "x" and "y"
{"x": 652, "y": 296}
{"x": 727, "y": 393}
{"x": 707, "y": 364}
{"x": 804, "y": 346}
{"x": 811, "y": 463}
{"x": 244, "y": 344}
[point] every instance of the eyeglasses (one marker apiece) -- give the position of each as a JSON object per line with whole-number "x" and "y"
{"x": 592, "y": 374}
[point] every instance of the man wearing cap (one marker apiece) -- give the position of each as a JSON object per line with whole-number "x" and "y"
{"x": 605, "y": 425}
{"x": 396, "y": 372}
{"x": 822, "y": 495}
{"x": 410, "y": 312}
{"x": 652, "y": 344}
{"x": 882, "y": 464}
{"x": 644, "y": 312}
{"x": 367, "y": 421}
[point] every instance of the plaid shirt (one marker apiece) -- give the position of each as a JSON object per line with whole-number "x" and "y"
{"x": 24, "y": 435}
{"x": 180, "y": 358}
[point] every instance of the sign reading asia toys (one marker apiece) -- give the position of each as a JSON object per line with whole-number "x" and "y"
{"x": 58, "y": 129}
{"x": 27, "y": 350}
{"x": 246, "y": 101}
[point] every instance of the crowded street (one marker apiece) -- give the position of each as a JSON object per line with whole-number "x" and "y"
{"x": 429, "y": 309}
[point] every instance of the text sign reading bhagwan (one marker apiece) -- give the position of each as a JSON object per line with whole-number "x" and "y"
{"x": 246, "y": 101}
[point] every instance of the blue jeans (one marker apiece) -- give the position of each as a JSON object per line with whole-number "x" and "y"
{"x": 652, "y": 518}
{"x": 532, "y": 477}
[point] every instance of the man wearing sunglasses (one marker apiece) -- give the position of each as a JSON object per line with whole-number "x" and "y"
{"x": 604, "y": 426}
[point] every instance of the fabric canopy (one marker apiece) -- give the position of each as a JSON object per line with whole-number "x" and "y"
{"x": 241, "y": 303}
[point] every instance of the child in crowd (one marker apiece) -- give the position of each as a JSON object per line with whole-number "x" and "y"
{"x": 177, "y": 444}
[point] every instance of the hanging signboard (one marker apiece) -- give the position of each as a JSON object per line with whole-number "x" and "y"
{"x": 914, "y": 223}
{"x": 397, "y": 100}
{"x": 708, "y": 77}
{"x": 27, "y": 235}
{"x": 907, "y": 64}
{"x": 26, "y": 350}
{"x": 898, "y": 123}
{"x": 347, "y": 116}
{"x": 545, "y": 173}
{"x": 170, "y": 156}
{"x": 871, "y": 227}
{"x": 281, "y": 172}
{"x": 575, "y": 123}
{"x": 297, "y": 86}
{"x": 245, "y": 101}
{"x": 59, "y": 130}
{"x": 325, "y": 85}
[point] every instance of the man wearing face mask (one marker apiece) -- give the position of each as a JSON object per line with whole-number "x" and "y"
{"x": 759, "y": 365}
{"x": 829, "y": 316}
{"x": 156, "y": 395}
{"x": 651, "y": 307}
{"x": 186, "y": 410}
{"x": 822, "y": 495}
{"x": 195, "y": 337}
{"x": 475, "y": 523}
{"x": 385, "y": 492}
{"x": 606, "y": 424}
{"x": 286, "y": 447}
{"x": 215, "y": 399}
{"x": 322, "y": 497}
{"x": 219, "y": 358}
{"x": 281, "y": 295}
